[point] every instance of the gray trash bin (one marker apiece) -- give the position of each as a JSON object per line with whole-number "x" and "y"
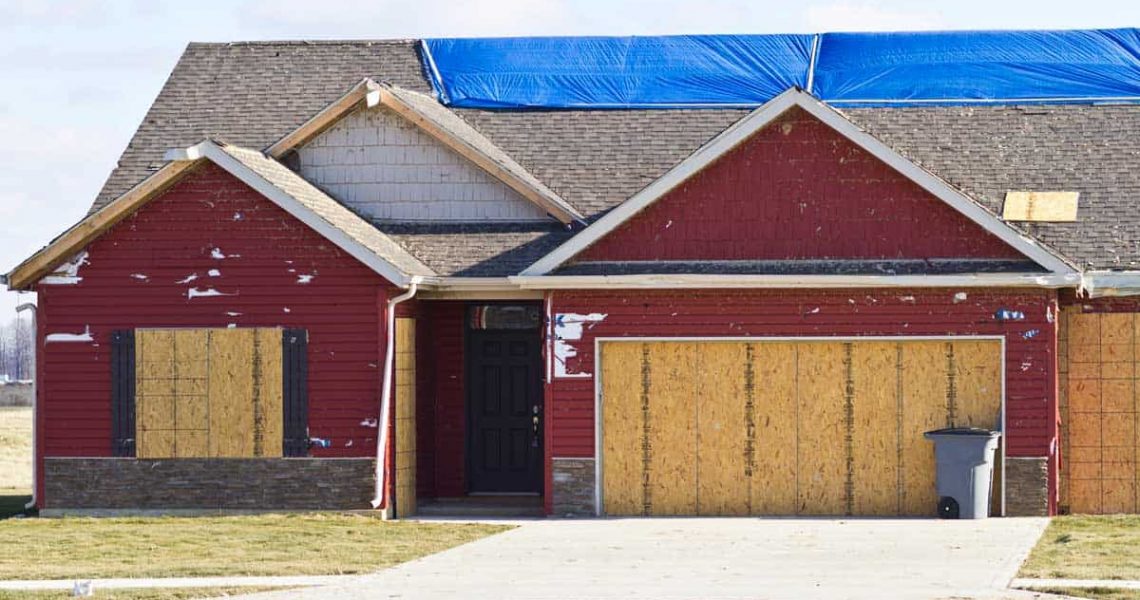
{"x": 965, "y": 465}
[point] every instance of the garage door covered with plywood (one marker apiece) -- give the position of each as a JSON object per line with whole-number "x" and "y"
{"x": 786, "y": 427}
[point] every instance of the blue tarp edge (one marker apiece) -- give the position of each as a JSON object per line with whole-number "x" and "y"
{"x": 843, "y": 69}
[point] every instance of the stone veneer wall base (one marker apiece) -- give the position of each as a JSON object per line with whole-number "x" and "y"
{"x": 574, "y": 487}
{"x": 205, "y": 484}
{"x": 1026, "y": 487}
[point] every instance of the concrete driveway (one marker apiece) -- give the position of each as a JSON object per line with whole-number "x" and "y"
{"x": 715, "y": 558}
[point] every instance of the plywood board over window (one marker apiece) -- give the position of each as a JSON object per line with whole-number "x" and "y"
{"x": 786, "y": 427}
{"x": 208, "y": 393}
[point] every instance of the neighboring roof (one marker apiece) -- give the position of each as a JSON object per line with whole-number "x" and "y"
{"x": 252, "y": 94}
{"x": 268, "y": 177}
{"x": 757, "y": 120}
{"x": 478, "y": 249}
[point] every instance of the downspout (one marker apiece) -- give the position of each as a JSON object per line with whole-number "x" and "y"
{"x": 35, "y": 405}
{"x": 386, "y": 391}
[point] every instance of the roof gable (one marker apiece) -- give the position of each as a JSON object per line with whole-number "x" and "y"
{"x": 387, "y": 169}
{"x": 744, "y": 130}
{"x": 433, "y": 121}
{"x": 268, "y": 177}
{"x": 797, "y": 190}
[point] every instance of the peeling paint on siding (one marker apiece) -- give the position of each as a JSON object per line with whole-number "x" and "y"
{"x": 568, "y": 327}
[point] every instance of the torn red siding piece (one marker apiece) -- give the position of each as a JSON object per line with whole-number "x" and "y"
{"x": 176, "y": 236}
{"x": 798, "y": 190}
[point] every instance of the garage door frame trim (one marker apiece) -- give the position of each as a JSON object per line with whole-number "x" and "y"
{"x": 599, "y": 341}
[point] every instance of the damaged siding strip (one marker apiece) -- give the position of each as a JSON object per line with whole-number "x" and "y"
{"x": 568, "y": 327}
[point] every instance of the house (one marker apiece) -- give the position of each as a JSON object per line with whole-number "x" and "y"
{"x": 331, "y": 275}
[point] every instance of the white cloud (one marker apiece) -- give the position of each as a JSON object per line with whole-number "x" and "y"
{"x": 846, "y": 15}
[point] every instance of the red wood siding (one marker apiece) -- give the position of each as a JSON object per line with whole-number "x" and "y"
{"x": 441, "y": 416}
{"x": 1030, "y": 342}
{"x": 134, "y": 278}
{"x": 450, "y": 400}
{"x": 797, "y": 190}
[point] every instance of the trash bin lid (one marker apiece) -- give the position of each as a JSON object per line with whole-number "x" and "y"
{"x": 978, "y": 431}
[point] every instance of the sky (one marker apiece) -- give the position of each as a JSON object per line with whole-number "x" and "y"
{"x": 77, "y": 76}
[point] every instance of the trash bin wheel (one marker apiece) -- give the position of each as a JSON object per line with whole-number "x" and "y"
{"x": 947, "y": 508}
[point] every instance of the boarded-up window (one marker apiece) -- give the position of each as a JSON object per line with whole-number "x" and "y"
{"x": 209, "y": 393}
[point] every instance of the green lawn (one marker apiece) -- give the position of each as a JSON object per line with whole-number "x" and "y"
{"x": 141, "y": 594}
{"x": 282, "y": 544}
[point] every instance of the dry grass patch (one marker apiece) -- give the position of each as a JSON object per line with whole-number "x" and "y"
{"x": 1087, "y": 547}
{"x": 143, "y": 594}
{"x": 283, "y": 544}
{"x": 15, "y": 449}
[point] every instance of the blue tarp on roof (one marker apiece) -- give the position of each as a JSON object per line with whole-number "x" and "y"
{"x": 960, "y": 67}
{"x": 616, "y": 72}
{"x": 978, "y": 67}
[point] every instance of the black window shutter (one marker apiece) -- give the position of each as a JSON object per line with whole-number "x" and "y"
{"x": 123, "y": 392}
{"x": 295, "y": 391}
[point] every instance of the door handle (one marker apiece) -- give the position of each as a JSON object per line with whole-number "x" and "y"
{"x": 534, "y": 420}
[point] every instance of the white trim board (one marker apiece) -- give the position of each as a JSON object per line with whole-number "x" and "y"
{"x": 754, "y": 122}
{"x": 696, "y": 281}
{"x": 598, "y": 341}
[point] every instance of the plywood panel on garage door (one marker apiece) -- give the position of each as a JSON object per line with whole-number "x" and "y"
{"x": 785, "y": 427}
{"x": 1098, "y": 364}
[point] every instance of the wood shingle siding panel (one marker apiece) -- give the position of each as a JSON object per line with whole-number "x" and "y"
{"x": 797, "y": 190}
{"x": 1030, "y": 341}
{"x": 386, "y": 168}
{"x": 211, "y": 232}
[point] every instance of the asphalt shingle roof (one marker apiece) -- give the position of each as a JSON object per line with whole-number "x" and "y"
{"x": 251, "y": 94}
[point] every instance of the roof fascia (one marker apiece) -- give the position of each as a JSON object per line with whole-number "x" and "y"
{"x": 367, "y": 91}
{"x": 44, "y": 261}
{"x": 66, "y": 245}
{"x": 989, "y": 280}
{"x": 1105, "y": 284}
{"x": 306, "y": 215}
{"x": 544, "y": 199}
{"x": 374, "y": 94}
{"x": 757, "y": 120}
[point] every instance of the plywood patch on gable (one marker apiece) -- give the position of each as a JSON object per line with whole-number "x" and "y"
{"x": 387, "y": 168}
{"x": 1045, "y": 207}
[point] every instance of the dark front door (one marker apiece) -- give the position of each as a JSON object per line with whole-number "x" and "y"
{"x": 504, "y": 402}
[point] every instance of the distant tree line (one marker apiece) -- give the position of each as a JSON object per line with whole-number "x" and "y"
{"x": 17, "y": 349}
